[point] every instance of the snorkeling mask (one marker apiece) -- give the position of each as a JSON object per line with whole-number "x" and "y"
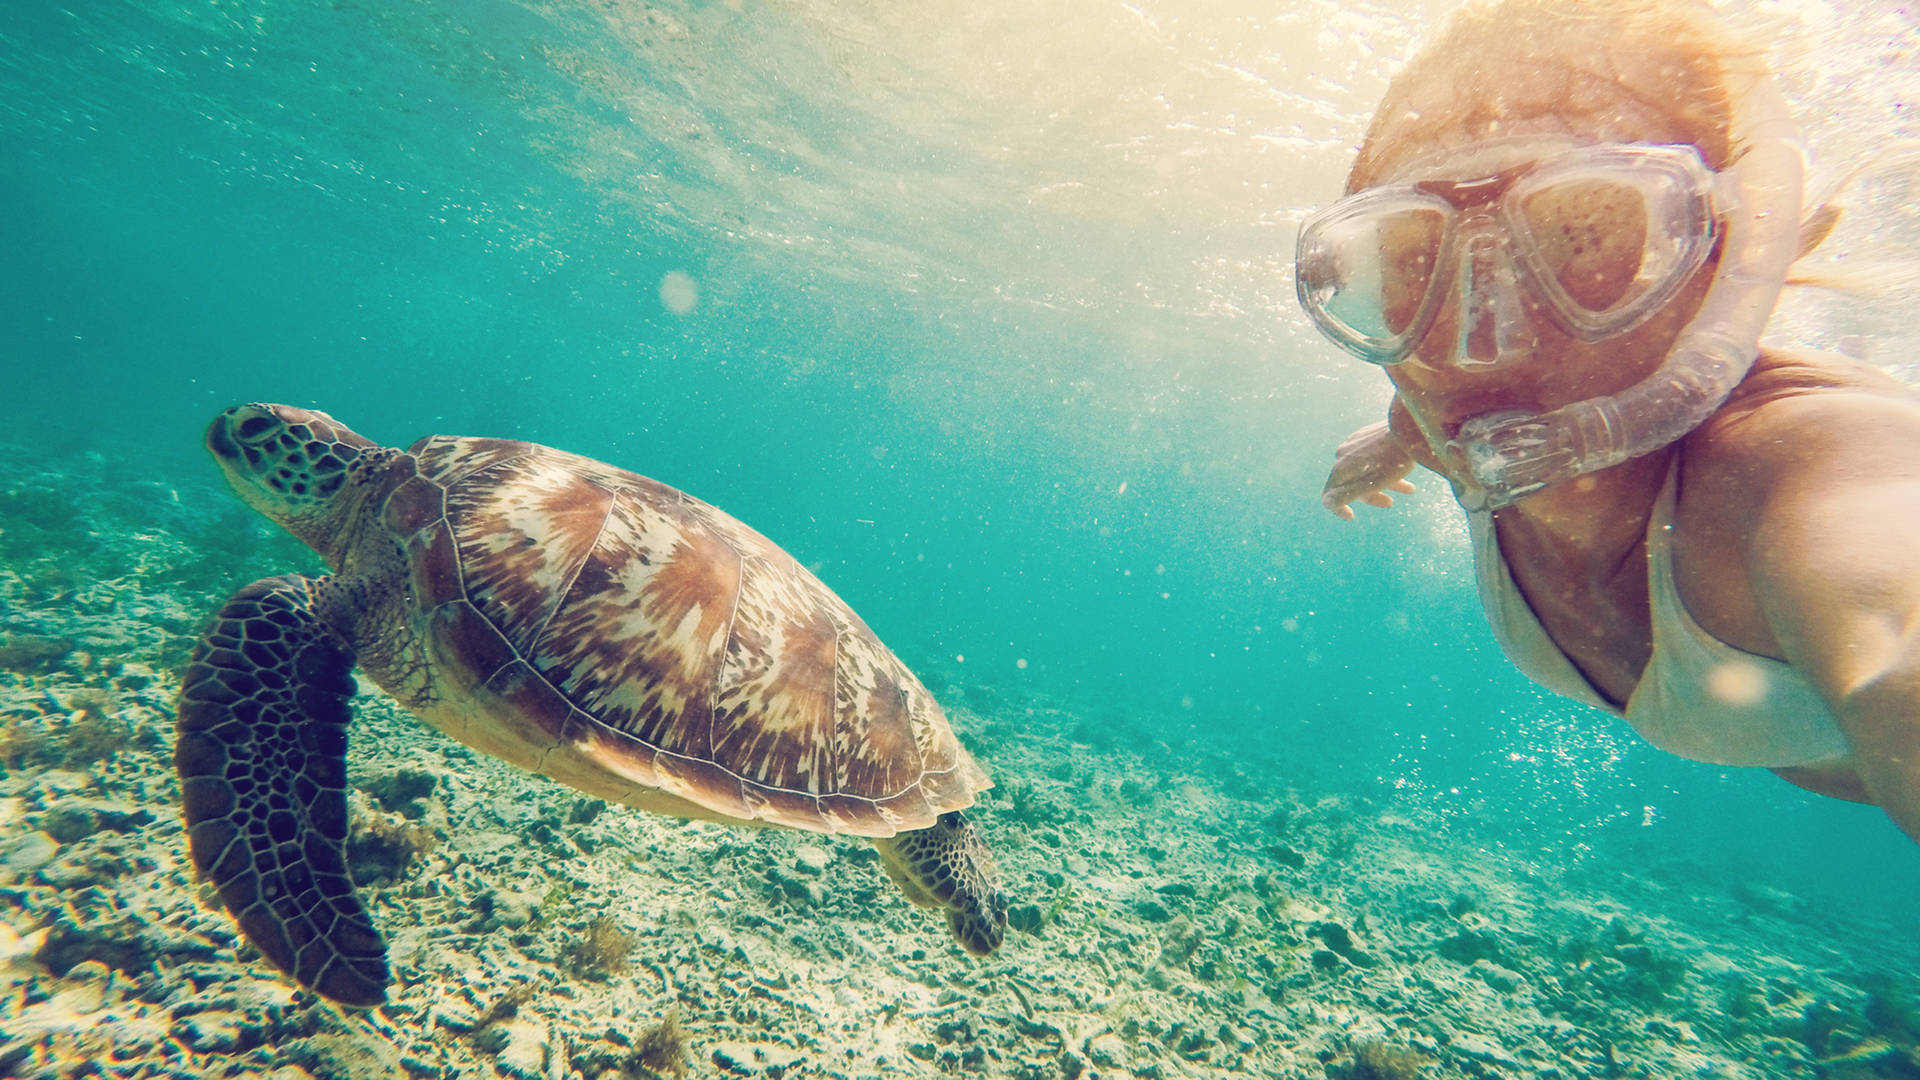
{"x": 1597, "y": 239}
{"x": 1374, "y": 268}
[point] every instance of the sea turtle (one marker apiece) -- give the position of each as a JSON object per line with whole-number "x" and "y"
{"x": 575, "y": 619}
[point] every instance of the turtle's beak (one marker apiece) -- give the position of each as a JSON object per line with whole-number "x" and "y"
{"x": 220, "y": 441}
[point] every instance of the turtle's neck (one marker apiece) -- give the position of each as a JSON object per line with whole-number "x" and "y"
{"x": 340, "y": 526}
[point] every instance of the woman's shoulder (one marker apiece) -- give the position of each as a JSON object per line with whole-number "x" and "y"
{"x": 1799, "y": 408}
{"x": 1781, "y": 374}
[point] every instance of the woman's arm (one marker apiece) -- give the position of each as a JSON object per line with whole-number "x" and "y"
{"x": 1829, "y": 487}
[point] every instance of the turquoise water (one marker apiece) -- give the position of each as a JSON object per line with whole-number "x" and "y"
{"x": 984, "y": 315}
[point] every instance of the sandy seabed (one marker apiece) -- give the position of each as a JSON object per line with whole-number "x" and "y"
{"x": 1208, "y": 919}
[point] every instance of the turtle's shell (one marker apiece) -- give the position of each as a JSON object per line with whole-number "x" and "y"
{"x": 662, "y": 641}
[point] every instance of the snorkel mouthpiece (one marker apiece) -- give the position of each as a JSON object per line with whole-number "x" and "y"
{"x": 1511, "y": 455}
{"x": 1514, "y": 454}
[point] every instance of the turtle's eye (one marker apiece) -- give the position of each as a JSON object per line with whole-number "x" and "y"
{"x": 255, "y": 426}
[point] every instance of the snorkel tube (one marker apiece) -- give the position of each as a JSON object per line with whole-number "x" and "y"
{"x": 1514, "y": 454}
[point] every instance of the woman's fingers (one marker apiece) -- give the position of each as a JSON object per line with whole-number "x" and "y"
{"x": 1368, "y": 464}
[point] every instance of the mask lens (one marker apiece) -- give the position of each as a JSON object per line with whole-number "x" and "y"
{"x": 1612, "y": 233}
{"x": 1409, "y": 246}
{"x": 1366, "y": 276}
{"x": 1591, "y": 239}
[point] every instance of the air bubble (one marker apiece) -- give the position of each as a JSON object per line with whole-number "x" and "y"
{"x": 679, "y": 293}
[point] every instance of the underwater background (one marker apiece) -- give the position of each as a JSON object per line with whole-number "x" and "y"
{"x": 983, "y": 311}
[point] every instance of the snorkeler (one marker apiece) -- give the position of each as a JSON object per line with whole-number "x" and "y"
{"x": 1562, "y": 238}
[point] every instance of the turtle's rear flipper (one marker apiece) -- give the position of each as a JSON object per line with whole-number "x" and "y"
{"x": 947, "y": 865}
{"x": 262, "y": 756}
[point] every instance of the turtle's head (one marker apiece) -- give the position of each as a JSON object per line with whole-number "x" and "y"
{"x": 289, "y": 464}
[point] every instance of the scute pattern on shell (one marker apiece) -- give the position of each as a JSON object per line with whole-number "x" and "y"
{"x": 672, "y": 644}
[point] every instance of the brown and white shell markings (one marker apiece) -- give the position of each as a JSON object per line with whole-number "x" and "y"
{"x": 577, "y": 620}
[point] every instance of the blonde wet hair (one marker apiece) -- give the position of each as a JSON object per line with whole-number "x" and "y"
{"x": 1596, "y": 70}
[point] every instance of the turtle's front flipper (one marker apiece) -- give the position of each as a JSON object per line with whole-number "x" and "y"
{"x": 947, "y": 865}
{"x": 262, "y": 756}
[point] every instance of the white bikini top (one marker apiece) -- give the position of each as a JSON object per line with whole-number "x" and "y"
{"x": 1699, "y": 697}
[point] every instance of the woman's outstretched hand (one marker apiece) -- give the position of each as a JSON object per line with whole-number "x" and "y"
{"x": 1369, "y": 463}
